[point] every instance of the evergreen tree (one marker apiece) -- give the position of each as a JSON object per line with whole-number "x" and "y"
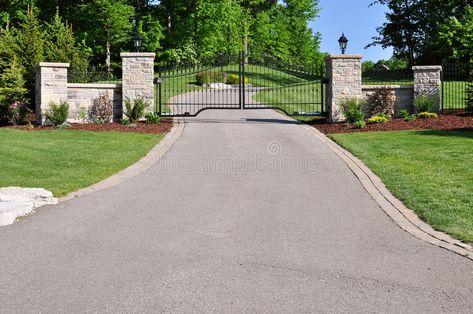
{"x": 12, "y": 84}
{"x": 30, "y": 48}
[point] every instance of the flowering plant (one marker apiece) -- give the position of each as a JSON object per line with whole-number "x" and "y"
{"x": 17, "y": 112}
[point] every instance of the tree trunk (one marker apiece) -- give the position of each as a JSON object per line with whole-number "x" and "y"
{"x": 107, "y": 59}
{"x": 245, "y": 39}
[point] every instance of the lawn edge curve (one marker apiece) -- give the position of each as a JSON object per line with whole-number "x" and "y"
{"x": 402, "y": 216}
{"x": 151, "y": 158}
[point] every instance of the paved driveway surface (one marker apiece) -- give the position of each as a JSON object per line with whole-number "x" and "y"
{"x": 245, "y": 214}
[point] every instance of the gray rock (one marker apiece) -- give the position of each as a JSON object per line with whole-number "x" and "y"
{"x": 16, "y": 202}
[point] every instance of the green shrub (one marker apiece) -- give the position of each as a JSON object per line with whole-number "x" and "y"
{"x": 57, "y": 114}
{"x": 405, "y": 115}
{"x": 208, "y": 77}
{"x": 234, "y": 79}
{"x": 359, "y": 124}
{"x": 352, "y": 109}
{"x": 125, "y": 121}
{"x": 378, "y": 119}
{"x": 427, "y": 115}
{"x": 152, "y": 118}
{"x": 135, "y": 110}
{"x": 424, "y": 103}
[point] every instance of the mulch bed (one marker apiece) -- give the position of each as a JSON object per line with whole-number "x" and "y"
{"x": 141, "y": 127}
{"x": 453, "y": 122}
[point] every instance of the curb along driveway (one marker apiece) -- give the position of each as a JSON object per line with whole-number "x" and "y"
{"x": 245, "y": 213}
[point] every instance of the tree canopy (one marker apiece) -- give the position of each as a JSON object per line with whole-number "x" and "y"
{"x": 426, "y": 31}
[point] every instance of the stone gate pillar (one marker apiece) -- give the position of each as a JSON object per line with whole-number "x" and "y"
{"x": 51, "y": 85}
{"x": 344, "y": 81}
{"x": 428, "y": 82}
{"x": 137, "y": 75}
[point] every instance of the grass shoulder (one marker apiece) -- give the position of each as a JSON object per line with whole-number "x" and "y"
{"x": 430, "y": 171}
{"x": 65, "y": 161}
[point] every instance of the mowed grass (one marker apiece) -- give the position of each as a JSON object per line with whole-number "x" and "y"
{"x": 430, "y": 171}
{"x": 65, "y": 161}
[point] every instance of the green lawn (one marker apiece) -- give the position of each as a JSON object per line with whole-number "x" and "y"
{"x": 65, "y": 161}
{"x": 430, "y": 171}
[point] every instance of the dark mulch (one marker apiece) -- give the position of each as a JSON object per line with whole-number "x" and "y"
{"x": 454, "y": 122}
{"x": 141, "y": 127}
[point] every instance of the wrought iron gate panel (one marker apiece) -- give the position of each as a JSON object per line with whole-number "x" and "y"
{"x": 240, "y": 82}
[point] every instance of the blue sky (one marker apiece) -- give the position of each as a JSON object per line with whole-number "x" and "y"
{"x": 357, "y": 21}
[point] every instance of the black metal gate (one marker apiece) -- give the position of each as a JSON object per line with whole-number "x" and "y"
{"x": 240, "y": 82}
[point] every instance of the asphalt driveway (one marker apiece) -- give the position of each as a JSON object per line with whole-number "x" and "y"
{"x": 246, "y": 213}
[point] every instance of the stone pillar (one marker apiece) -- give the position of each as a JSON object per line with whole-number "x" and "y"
{"x": 428, "y": 81}
{"x": 344, "y": 81}
{"x": 51, "y": 85}
{"x": 138, "y": 72}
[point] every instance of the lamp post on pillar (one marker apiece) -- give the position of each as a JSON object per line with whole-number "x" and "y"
{"x": 343, "y": 42}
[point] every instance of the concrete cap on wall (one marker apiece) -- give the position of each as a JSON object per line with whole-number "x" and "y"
{"x": 427, "y": 68}
{"x": 53, "y": 65}
{"x": 340, "y": 56}
{"x": 137, "y": 54}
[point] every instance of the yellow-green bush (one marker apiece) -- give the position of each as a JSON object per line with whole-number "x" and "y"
{"x": 427, "y": 115}
{"x": 378, "y": 119}
{"x": 233, "y": 79}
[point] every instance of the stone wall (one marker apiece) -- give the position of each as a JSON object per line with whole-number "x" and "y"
{"x": 137, "y": 81}
{"x": 84, "y": 95}
{"x": 404, "y": 95}
{"x": 345, "y": 81}
{"x": 344, "y": 76}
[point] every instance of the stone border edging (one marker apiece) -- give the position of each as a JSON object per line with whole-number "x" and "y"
{"x": 153, "y": 156}
{"x": 404, "y": 217}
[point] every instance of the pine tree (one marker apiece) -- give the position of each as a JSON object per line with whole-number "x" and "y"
{"x": 30, "y": 48}
{"x": 12, "y": 84}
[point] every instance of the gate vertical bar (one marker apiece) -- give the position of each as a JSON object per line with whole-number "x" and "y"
{"x": 322, "y": 88}
{"x": 243, "y": 78}
{"x": 443, "y": 87}
{"x": 239, "y": 81}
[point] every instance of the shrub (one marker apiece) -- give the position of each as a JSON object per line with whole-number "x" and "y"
{"x": 82, "y": 114}
{"x": 353, "y": 108}
{"x": 152, "y": 118}
{"x": 125, "y": 121}
{"x": 208, "y": 77}
{"x": 381, "y": 101}
{"x": 359, "y": 124}
{"x": 378, "y": 119}
{"x": 233, "y": 79}
{"x": 424, "y": 103}
{"x": 427, "y": 115}
{"x": 17, "y": 112}
{"x": 57, "y": 114}
{"x": 135, "y": 110}
{"x": 405, "y": 115}
{"x": 102, "y": 110}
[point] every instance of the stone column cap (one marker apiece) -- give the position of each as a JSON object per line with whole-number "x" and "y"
{"x": 340, "y": 56}
{"x": 427, "y": 68}
{"x": 53, "y": 65}
{"x": 137, "y": 54}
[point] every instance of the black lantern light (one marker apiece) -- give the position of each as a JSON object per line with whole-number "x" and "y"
{"x": 343, "y": 41}
{"x": 137, "y": 40}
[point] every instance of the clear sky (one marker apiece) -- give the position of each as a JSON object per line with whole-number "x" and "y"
{"x": 357, "y": 21}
